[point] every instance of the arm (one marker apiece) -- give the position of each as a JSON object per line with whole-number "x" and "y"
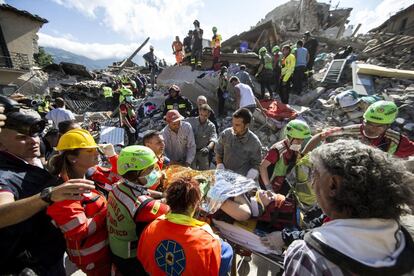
{"x": 152, "y": 210}
{"x": 264, "y": 174}
{"x": 238, "y": 208}
{"x": 312, "y": 144}
{"x": 15, "y": 211}
{"x": 72, "y": 221}
{"x": 191, "y": 146}
{"x": 259, "y": 105}
{"x": 219, "y": 150}
{"x": 237, "y": 93}
{"x": 213, "y": 137}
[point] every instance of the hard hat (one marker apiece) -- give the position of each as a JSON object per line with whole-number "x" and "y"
{"x": 347, "y": 98}
{"x": 381, "y": 112}
{"x": 196, "y": 22}
{"x": 151, "y": 47}
{"x": 76, "y": 139}
{"x": 262, "y": 50}
{"x": 135, "y": 158}
{"x": 175, "y": 88}
{"x": 298, "y": 129}
{"x": 293, "y": 50}
{"x": 275, "y": 49}
{"x": 307, "y": 33}
{"x": 214, "y": 29}
{"x": 224, "y": 68}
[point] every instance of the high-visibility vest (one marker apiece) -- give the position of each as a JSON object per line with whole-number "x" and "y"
{"x": 303, "y": 187}
{"x": 171, "y": 247}
{"x": 107, "y": 92}
{"x": 83, "y": 223}
{"x": 288, "y": 67}
{"x": 124, "y": 92}
{"x": 44, "y": 107}
{"x": 268, "y": 62}
{"x": 123, "y": 205}
{"x": 216, "y": 41}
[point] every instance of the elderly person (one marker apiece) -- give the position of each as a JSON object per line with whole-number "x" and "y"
{"x": 178, "y": 244}
{"x": 179, "y": 141}
{"x": 364, "y": 192}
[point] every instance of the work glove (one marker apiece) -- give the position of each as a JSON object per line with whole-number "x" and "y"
{"x": 107, "y": 149}
{"x": 273, "y": 241}
{"x": 132, "y": 130}
{"x": 252, "y": 174}
{"x": 204, "y": 151}
{"x": 220, "y": 166}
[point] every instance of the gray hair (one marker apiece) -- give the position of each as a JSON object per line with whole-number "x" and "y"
{"x": 201, "y": 97}
{"x": 374, "y": 184}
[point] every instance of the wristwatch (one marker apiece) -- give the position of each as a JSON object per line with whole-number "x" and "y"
{"x": 46, "y": 195}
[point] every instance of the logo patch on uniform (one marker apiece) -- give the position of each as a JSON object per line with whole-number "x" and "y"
{"x": 156, "y": 207}
{"x": 170, "y": 257}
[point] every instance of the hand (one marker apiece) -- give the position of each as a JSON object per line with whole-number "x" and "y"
{"x": 252, "y": 174}
{"x": 273, "y": 240}
{"x": 108, "y": 149}
{"x": 132, "y": 130}
{"x": 2, "y": 117}
{"x": 205, "y": 150}
{"x": 279, "y": 200}
{"x": 71, "y": 190}
{"x": 220, "y": 166}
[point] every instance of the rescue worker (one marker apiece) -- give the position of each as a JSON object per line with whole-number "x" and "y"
{"x": 151, "y": 59}
{"x": 197, "y": 46}
{"x": 374, "y": 130}
{"x": 124, "y": 92}
{"x": 107, "y": 93}
{"x": 265, "y": 72}
{"x": 130, "y": 207}
{"x": 288, "y": 67}
{"x": 82, "y": 221}
{"x": 178, "y": 244}
{"x": 177, "y": 102}
{"x": 187, "y": 43}
{"x": 44, "y": 106}
{"x": 216, "y": 46}
{"x": 177, "y": 48}
{"x": 282, "y": 156}
{"x": 277, "y": 58}
{"x": 128, "y": 119}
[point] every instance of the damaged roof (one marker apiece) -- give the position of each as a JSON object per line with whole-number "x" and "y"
{"x": 23, "y": 13}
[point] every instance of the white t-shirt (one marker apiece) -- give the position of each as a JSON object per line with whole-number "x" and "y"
{"x": 58, "y": 115}
{"x": 246, "y": 95}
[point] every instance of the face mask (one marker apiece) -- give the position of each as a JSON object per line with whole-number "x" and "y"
{"x": 295, "y": 147}
{"x": 369, "y": 137}
{"x": 151, "y": 178}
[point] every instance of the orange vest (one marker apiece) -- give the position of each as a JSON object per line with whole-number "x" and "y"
{"x": 83, "y": 223}
{"x": 167, "y": 248}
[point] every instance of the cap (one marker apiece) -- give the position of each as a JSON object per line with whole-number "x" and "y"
{"x": 173, "y": 116}
{"x": 206, "y": 107}
{"x": 25, "y": 124}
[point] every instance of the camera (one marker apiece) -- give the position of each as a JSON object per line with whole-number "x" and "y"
{"x": 21, "y": 122}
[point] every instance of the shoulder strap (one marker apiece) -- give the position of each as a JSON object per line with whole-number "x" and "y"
{"x": 403, "y": 265}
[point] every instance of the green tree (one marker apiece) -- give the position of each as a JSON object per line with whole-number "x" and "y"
{"x": 42, "y": 58}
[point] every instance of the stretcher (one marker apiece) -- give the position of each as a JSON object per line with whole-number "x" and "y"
{"x": 244, "y": 244}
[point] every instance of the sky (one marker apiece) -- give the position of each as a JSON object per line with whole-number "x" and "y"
{"x": 101, "y": 29}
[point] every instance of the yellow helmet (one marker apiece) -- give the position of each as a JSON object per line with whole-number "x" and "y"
{"x": 76, "y": 139}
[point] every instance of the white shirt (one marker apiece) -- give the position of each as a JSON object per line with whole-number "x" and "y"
{"x": 58, "y": 115}
{"x": 246, "y": 95}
